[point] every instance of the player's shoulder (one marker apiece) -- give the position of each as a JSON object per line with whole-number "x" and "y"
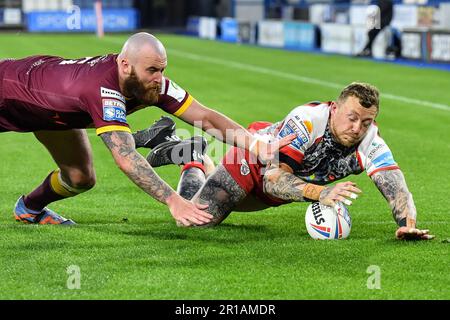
{"x": 101, "y": 78}
{"x": 313, "y": 115}
{"x": 371, "y": 137}
{"x": 372, "y": 144}
{"x": 170, "y": 88}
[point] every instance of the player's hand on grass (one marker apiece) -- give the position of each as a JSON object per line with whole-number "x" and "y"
{"x": 267, "y": 151}
{"x": 341, "y": 192}
{"x": 187, "y": 213}
{"x": 408, "y": 233}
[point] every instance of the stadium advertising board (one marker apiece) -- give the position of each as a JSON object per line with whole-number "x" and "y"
{"x": 413, "y": 44}
{"x": 271, "y": 33}
{"x": 247, "y": 32}
{"x": 10, "y": 16}
{"x": 229, "y": 30}
{"x": 405, "y": 16}
{"x": 192, "y": 27}
{"x": 337, "y": 38}
{"x": 207, "y": 28}
{"x": 439, "y": 45}
{"x": 114, "y": 20}
{"x": 299, "y": 35}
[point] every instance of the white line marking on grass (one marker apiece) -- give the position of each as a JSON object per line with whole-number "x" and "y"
{"x": 291, "y": 76}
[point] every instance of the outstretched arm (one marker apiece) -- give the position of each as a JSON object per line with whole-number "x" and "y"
{"x": 280, "y": 182}
{"x": 392, "y": 185}
{"x": 228, "y": 131}
{"x": 133, "y": 164}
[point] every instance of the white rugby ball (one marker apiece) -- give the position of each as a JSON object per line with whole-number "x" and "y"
{"x": 323, "y": 222}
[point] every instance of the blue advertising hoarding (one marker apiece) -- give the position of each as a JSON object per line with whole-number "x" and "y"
{"x": 229, "y": 30}
{"x": 298, "y": 35}
{"x": 193, "y": 25}
{"x": 114, "y": 20}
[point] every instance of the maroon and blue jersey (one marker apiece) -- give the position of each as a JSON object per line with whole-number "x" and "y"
{"x": 52, "y": 93}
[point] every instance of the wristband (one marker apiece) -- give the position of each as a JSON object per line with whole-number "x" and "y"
{"x": 312, "y": 191}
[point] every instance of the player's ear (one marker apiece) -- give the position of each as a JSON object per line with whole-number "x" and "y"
{"x": 125, "y": 65}
{"x": 333, "y": 107}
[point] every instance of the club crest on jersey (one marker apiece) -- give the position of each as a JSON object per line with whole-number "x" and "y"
{"x": 245, "y": 169}
{"x": 109, "y": 93}
{"x": 114, "y": 110}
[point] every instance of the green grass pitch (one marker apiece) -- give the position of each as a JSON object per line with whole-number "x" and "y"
{"x": 127, "y": 245}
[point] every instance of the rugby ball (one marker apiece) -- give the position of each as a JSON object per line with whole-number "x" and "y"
{"x": 323, "y": 222}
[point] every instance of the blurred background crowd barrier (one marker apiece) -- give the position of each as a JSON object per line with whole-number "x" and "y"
{"x": 419, "y": 29}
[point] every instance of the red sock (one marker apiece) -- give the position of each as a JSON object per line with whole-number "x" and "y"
{"x": 193, "y": 164}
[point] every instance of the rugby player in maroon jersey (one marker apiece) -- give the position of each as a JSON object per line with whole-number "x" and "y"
{"x": 57, "y": 99}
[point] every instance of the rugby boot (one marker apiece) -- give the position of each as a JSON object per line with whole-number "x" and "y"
{"x": 45, "y": 216}
{"x": 178, "y": 152}
{"x": 161, "y": 131}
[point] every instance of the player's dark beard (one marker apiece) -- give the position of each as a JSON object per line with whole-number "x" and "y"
{"x": 133, "y": 87}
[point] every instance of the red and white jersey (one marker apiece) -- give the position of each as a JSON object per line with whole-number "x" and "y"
{"x": 316, "y": 157}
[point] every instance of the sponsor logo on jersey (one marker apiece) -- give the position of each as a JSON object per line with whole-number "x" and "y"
{"x": 245, "y": 169}
{"x": 35, "y": 65}
{"x": 291, "y": 127}
{"x": 113, "y": 103}
{"x": 375, "y": 147}
{"x": 384, "y": 160}
{"x": 109, "y": 93}
{"x": 114, "y": 110}
{"x": 307, "y": 125}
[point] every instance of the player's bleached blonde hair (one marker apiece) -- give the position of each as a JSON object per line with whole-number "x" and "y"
{"x": 367, "y": 94}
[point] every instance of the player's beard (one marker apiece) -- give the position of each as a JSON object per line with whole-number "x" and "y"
{"x": 134, "y": 87}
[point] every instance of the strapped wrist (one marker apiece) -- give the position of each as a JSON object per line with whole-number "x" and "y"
{"x": 312, "y": 191}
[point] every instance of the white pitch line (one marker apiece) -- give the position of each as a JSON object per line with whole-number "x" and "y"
{"x": 291, "y": 76}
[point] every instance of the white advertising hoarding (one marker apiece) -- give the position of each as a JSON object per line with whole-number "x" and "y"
{"x": 271, "y": 33}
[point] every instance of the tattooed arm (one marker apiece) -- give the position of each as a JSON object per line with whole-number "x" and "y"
{"x": 280, "y": 182}
{"x": 392, "y": 185}
{"x": 133, "y": 164}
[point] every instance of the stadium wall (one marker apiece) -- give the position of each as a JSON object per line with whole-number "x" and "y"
{"x": 424, "y": 30}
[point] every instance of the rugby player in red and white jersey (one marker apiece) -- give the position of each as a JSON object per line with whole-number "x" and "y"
{"x": 333, "y": 140}
{"x": 58, "y": 98}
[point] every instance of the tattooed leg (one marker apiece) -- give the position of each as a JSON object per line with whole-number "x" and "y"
{"x": 222, "y": 194}
{"x": 191, "y": 181}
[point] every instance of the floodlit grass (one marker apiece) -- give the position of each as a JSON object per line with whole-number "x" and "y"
{"x": 127, "y": 245}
